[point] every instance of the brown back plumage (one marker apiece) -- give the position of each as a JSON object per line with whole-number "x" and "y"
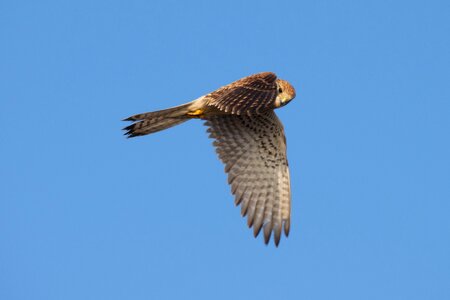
{"x": 249, "y": 95}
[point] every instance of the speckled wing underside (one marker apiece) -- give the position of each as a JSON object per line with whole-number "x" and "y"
{"x": 250, "y": 95}
{"x": 253, "y": 150}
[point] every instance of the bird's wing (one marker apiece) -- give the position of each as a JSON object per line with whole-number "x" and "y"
{"x": 249, "y": 95}
{"x": 253, "y": 150}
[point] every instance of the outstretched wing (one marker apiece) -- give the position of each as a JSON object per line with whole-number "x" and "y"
{"x": 249, "y": 95}
{"x": 253, "y": 150}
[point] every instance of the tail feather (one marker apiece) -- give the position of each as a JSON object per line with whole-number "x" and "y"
{"x": 151, "y": 122}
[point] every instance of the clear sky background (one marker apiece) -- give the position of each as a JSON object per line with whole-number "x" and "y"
{"x": 88, "y": 214}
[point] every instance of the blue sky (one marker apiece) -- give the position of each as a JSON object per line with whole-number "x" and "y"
{"x": 88, "y": 214}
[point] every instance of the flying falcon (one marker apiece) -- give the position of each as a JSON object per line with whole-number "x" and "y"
{"x": 249, "y": 140}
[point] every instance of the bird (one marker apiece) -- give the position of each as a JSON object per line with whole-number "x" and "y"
{"x": 249, "y": 139}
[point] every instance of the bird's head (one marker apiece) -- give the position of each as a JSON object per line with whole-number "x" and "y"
{"x": 286, "y": 93}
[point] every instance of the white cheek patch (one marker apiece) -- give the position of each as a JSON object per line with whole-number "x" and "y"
{"x": 278, "y": 102}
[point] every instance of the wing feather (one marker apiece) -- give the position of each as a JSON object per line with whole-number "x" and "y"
{"x": 253, "y": 149}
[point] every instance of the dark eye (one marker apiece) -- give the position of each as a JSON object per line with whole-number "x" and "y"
{"x": 280, "y": 90}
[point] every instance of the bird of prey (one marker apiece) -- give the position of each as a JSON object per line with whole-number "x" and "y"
{"x": 249, "y": 140}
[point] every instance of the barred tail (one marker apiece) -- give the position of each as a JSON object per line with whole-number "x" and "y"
{"x": 151, "y": 122}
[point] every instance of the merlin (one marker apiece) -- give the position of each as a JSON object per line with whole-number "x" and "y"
{"x": 250, "y": 141}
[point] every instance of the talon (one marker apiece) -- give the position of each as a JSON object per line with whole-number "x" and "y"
{"x": 195, "y": 113}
